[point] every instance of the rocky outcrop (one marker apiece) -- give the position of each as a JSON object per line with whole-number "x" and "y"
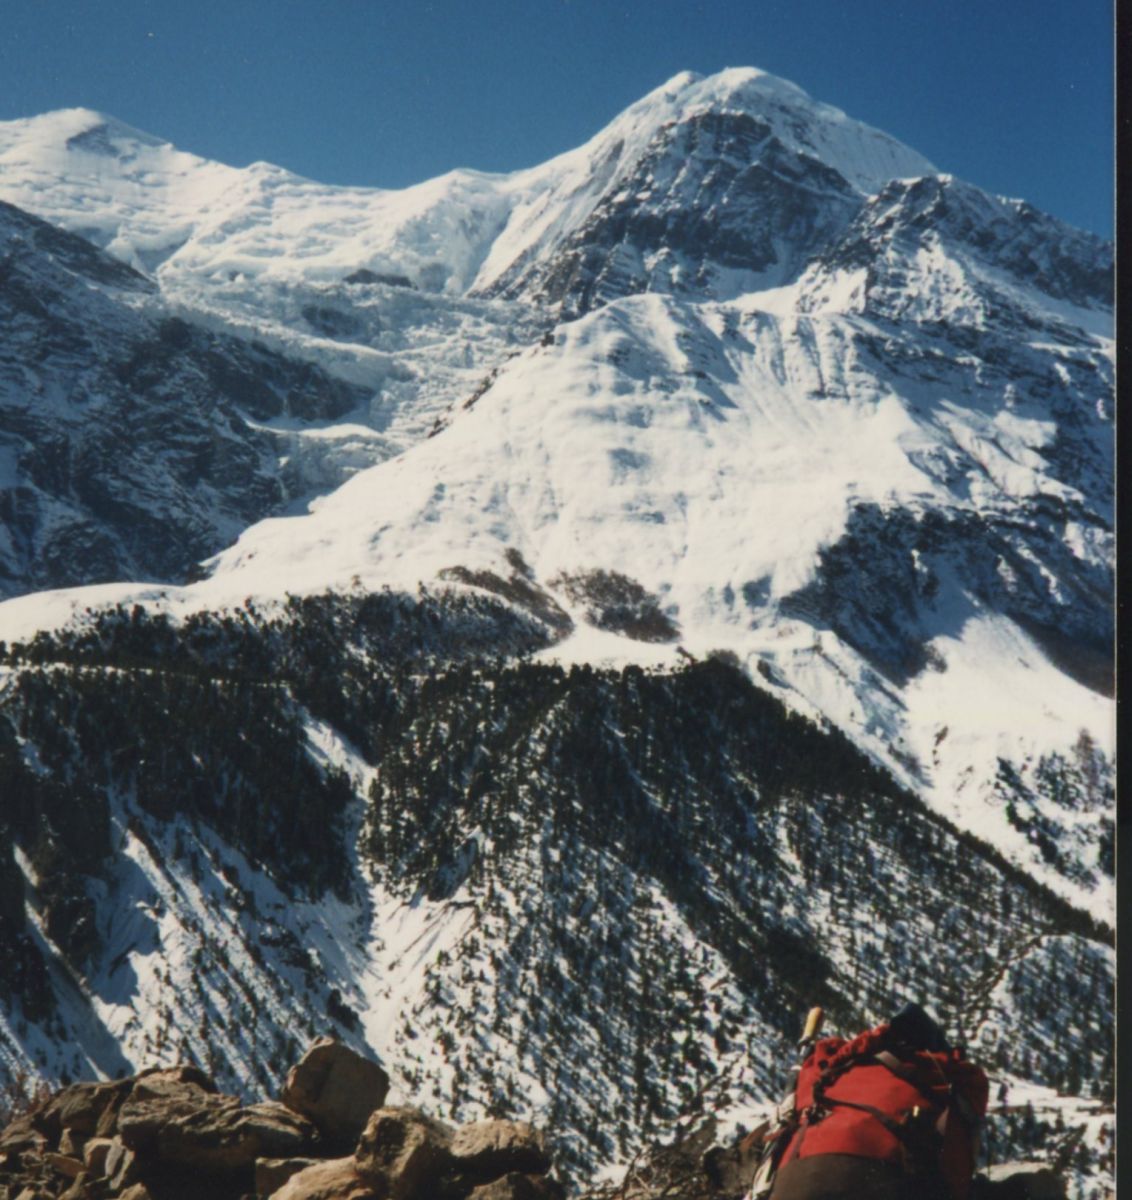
{"x": 400, "y": 1149}
{"x": 337, "y": 1089}
{"x": 334, "y": 1179}
{"x": 169, "y": 1134}
{"x": 737, "y": 200}
{"x": 214, "y": 1134}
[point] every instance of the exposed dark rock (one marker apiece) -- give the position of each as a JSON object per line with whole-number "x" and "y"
{"x": 880, "y": 586}
{"x": 365, "y": 275}
{"x": 734, "y": 197}
{"x": 332, "y": 322}
{"x": 126, "y": 428}
{"x": 1019, "y": 241}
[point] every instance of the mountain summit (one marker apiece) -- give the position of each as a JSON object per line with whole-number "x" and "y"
{"x": 529, "y": 590}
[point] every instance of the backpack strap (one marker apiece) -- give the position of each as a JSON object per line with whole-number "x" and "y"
{"x": 907, "y": 1072}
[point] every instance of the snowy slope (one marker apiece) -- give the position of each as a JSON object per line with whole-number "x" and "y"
{"x": 535, "y": 892}
{"x": 713, "y": 454}
{"x": 133, "y": 442}
{"x": 265, "y": 253}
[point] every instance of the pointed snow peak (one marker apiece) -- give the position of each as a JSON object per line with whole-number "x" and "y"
{"x": 743, "y": 82}
{"x": 737, "y": 82}
{"x": 107, "y": 135}
{"x": 76, "y": 129}
{"x": 866, "y": 157}
{"x": 738, "y": 118}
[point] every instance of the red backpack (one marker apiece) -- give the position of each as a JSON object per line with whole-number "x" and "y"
{"x": 874, "y": 1098}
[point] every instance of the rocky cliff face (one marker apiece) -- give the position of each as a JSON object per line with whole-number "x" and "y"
{"x": 714, "y": 202}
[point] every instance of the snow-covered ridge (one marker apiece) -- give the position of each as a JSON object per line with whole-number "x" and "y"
{"x": 156, "y": 206}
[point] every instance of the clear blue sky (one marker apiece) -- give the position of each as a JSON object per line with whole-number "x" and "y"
{"x": 1013, "y": 95}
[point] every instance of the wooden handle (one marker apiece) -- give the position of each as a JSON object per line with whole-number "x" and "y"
{"x": 813, "y": 1023}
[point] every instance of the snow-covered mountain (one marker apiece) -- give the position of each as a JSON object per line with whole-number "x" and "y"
{"x": 740, "y": 380}
{"x": 135, "y": 443}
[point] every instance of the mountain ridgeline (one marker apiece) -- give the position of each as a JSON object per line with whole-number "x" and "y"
{"x": 553, "y": 628}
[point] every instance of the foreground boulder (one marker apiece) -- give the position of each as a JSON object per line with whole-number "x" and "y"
{"x": 337, "y": 1089}
{"x": 520, "y": 1187}
{"x": 211, "y": 1133}
{"x": 402, "y": 1150}
{"x": 168, "y": 1134}
{"x": 83, "y": 1108}
{"x": 335, "y": 1179}
{"x": 183, "y": 1081}
{"x": 490, "y": 1149}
